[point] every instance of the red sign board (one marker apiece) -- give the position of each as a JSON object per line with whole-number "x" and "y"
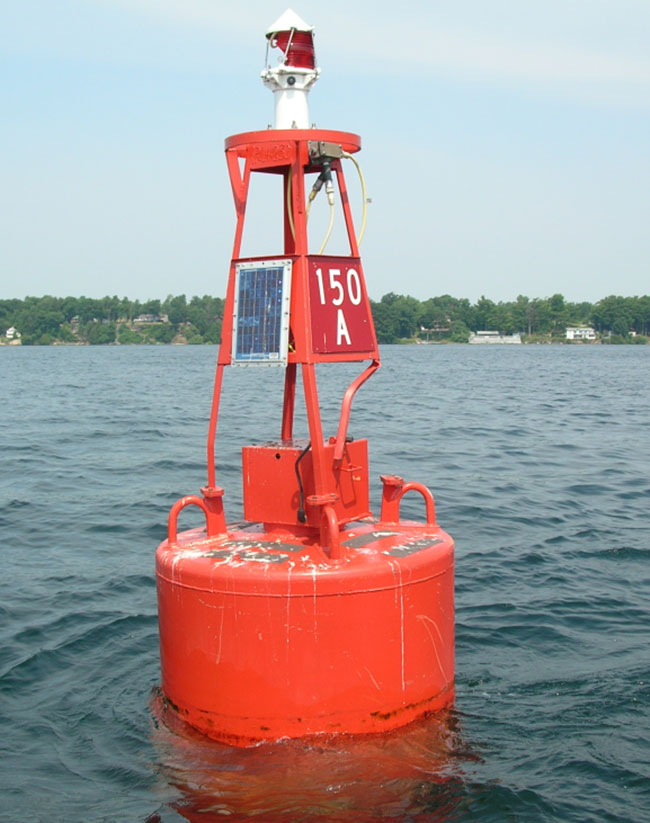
{"x": 340, "y": 314}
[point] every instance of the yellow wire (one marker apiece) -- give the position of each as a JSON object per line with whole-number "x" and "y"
{"x": 364, "y": 216}
{"x": 329, "y": 229}
{"x": 289, "y": 209}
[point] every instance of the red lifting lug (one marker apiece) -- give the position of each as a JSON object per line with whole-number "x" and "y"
{"x": 214, "y": 513}
{"x": 394, "y": 489}
{"x": 391, "y": 497}
{"x": 329, "y": 524}
{"x": 391, "y": 480}
{"x": 329, "y": 533}
{"x": 212, "y": 491}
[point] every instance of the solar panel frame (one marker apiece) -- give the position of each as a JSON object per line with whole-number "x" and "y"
{"x": 261, "y": 313}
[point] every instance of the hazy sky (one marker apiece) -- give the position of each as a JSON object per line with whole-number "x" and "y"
{"x": 506, "y": 145}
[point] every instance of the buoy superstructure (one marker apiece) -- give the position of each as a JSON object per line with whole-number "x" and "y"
{"x": 312, "y": 616}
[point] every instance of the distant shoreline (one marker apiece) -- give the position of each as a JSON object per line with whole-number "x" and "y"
{"x": 408, "y": 342}
{"x": 397, "y": 318}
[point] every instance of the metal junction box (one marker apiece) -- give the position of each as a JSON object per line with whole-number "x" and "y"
{"x": 272, "y": 489}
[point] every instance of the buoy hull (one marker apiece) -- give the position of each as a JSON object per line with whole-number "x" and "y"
{"x": 261, "y": 638}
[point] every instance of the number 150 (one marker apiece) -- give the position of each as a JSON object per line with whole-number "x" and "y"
{"x": 353, "y": 287}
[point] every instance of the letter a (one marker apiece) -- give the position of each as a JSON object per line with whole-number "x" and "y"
{"x": 342, "y": 329}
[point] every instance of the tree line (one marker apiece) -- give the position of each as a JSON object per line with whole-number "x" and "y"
{"x": 47, "y": 320}
{"x": 397, "y": 317}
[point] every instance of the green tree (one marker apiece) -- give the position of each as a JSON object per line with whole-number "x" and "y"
{"x": 612, "y": 311}
{"x": 386, "y": 322}
{"x": 151, "y": 307}
{"x": 39, "y": 320}
{"x": 100, "y": 334}
{"x": 484, "y": 314}
{"x": 406, "y": 309}
{"x": 161, "y": 333}
{"x": 176, "y": 309}
{"x": 459, "y": 332}
{"x": 519, "y": 314}
{"x": 558, "y": 314}
{"x": 127, "y": 336}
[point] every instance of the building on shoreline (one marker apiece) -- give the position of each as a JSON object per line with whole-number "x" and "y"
{"x": 580, "y": 333}
{"x": 494, "y": 337}
{"x": 13, "y": 335}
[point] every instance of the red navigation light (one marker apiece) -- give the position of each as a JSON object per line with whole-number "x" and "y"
{"x": 298, "y": 48}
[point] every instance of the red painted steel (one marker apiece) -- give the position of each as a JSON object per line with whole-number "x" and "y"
{"x": 312, "y": 616}
{"x": 346, "y": 407}
{"x": 255, "y": 650}
{"x": 272, "y": 485}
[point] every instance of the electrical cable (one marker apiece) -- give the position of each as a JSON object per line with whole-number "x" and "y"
{"x": 301, "y": 492}
{"x": 325, "y": 177}
{"x": 289, "y": 207}
{"x": 310, "y": 200}
{"x": 364, "y": 216}
{"x": 329, "y": 228}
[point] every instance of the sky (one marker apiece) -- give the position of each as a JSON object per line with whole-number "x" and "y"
{"x": 505, "y": 145}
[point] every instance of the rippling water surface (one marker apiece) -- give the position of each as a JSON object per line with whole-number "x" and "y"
{"x": 538, "y": 459}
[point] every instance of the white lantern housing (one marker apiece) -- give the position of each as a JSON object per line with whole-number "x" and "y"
{"x": 291, "y": 80}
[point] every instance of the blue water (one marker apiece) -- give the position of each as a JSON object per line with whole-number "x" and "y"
{"x": 538, "y": 459}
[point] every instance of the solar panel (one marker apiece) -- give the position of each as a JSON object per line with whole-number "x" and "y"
{"x": 261, "y": 316}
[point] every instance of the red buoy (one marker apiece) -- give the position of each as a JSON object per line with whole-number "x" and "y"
{"x": 312, "y": 616}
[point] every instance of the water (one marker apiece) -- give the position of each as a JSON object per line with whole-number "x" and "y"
{"x": 538, "y": 459}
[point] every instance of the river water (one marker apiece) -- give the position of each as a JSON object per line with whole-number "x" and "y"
{"x": 538, "y": 460}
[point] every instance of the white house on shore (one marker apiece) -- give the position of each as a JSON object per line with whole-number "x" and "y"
{"x": 12, "y": 333}
{"x": 580, "y": 333}
{"x": 494, "y": 337}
